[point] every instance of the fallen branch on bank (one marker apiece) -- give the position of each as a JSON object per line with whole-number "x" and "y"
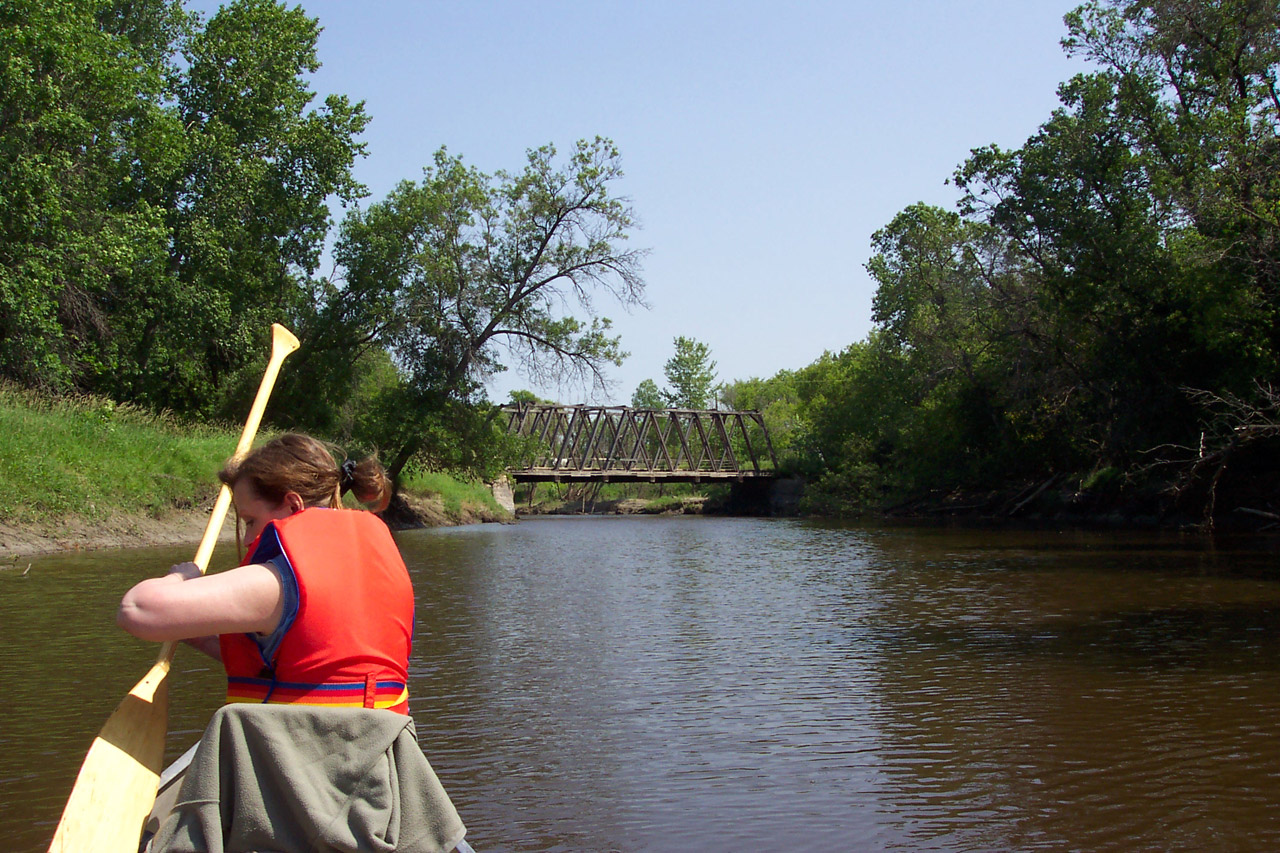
{"x": 1258, "y": 512}
{"x": 1046, "y": 484}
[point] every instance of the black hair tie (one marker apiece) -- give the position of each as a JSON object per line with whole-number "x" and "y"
{"x": 347, "y": 476}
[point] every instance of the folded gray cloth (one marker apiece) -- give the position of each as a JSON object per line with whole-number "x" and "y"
{"x": 286, "y": 778}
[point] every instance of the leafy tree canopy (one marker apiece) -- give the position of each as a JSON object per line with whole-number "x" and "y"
{"x": 165, "y": 184}
{"x": 691, "y": 375}
{"x": 464, "y": 274}
{"x": 648, "y": 396}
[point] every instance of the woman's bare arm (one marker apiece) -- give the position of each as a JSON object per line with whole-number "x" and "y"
{"x": 185, "y": 604}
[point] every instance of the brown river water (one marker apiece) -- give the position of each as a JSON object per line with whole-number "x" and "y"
{"x": 634, "y": 684}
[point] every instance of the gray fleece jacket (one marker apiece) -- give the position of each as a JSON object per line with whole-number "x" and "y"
{"x": 286, "y": 778}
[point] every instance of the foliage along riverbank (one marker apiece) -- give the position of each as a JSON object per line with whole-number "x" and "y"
{"x": 1244, "y": 501}
{"x": 1091, "y": 330}
{"x": 87, "y": 473}
{"x": 1097, "y": 318}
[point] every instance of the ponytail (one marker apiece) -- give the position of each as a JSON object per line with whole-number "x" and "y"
{"x": 367, "y": 480}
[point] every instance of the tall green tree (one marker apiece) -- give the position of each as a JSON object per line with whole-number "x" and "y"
{"x": 1141, "y": 298}
{"x": 648, "y": 396}
{"x": 1125, "y": 253}
{"x": 165, "y": 186}
{"x": 691, "y": 375}
{"x": 777, "y": 401}
{"x": 952, "y": 306}
{"x": 1201, "y": 78}
{"x": 464, "y": 274}
{"x": 247, "y": 205}
{"x": 84, "y": 86}
{"x": 853, "y": 407}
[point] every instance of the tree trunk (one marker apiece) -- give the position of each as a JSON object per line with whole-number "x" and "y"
{"x": 402, "y": 459}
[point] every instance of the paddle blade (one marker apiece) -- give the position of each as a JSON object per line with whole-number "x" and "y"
{"x": 117, "y": 783}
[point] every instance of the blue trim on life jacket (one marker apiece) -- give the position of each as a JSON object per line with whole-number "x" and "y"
{"x": 270, "y": 552}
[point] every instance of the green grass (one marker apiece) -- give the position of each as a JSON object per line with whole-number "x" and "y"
{"x": 455, "y": 495}
{"x": 550, "y": 497}
{"x": 91, "y": 459}
{"x": 669, "y": 503}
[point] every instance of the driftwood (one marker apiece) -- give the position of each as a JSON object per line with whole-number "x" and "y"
{"x": 908, "y": 506}
{"x": 1029, "y": 498}
{"x": 1230, "y": 424}
{"x": 1005, "y": 508}
{"x": 1258, "y": 512}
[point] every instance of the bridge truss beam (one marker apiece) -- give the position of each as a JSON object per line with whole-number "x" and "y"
{"x": 622, "y": 444}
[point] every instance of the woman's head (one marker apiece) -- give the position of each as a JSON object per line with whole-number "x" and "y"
{"x": 303, "y": 467}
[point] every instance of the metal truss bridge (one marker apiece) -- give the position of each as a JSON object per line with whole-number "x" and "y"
{"x": 622, "y": 444}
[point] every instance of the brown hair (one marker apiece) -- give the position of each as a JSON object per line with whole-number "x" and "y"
{"x": 299, "y": 463}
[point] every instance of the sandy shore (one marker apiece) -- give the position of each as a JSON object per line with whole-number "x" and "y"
{"x": 181, "y": 527}
{"x": 177, "y": 528}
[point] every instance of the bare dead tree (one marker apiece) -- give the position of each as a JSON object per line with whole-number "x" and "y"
{"x": 1231, "y": 423}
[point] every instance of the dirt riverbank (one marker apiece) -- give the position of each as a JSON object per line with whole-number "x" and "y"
{"x": 180, "y": 527}
{"x": 77, "y": 534}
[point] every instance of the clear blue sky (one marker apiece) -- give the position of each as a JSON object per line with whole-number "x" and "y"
{"x": 763, "y": 142}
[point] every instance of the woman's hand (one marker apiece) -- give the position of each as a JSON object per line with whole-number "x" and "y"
{"x": 185, "y": 571}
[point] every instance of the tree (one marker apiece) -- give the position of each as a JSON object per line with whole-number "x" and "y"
{"x": 463, "y": 272}
{"x": 691, "y": 375}
{"x": 777, "y": 401}
{"x": 1128, "y": 252}
{"x": 83, "y": 85}
{"x": 853, "y": 407}
{"x": 1137, "y": 301}
{"x": 942, "y": 287}
{"x": 1201, "y": 78}
{"x": 159, "y": 211}
{"x": 247, "y": 206}
{"x": 648, "y": 396}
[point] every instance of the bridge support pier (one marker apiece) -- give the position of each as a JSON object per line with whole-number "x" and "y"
{"x": 501, "y": 489}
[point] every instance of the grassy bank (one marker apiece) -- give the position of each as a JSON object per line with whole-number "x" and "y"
{"x": 89, "y": 464}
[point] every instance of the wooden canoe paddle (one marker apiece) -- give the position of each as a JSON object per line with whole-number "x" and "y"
{"x": 118, "y": 780}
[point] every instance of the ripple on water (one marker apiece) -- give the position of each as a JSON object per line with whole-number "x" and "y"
{"x": 739, "y": 684}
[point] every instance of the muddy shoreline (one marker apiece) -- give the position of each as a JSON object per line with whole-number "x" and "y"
{"x": 182, "y": 527}
{"x": 76, "y": 534}
{"x": 1044, "y": 507}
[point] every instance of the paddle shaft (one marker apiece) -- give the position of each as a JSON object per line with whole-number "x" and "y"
{"x": 282, "y": 344}
{"x": 116, "y": 787}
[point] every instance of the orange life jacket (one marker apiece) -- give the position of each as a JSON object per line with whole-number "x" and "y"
{"x": 348, "y": 644}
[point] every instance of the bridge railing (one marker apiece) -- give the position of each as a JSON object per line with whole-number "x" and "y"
{"x": 621, "y": 443}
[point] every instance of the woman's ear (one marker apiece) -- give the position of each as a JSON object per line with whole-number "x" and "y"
{"x": 293, "y": 501}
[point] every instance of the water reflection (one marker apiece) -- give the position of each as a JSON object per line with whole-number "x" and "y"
{"x": 735, "y": 684}
{"x": 1079, "y": 696}
{"x": 64, "y": 667}
{"x": 666, "y": 680}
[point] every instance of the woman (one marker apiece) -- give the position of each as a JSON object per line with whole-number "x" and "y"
{"x": 318, "y": 618}
{"x": 321, "y": 611}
